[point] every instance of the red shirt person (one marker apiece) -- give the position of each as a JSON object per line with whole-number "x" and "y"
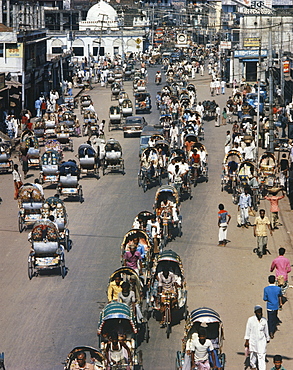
{"x": 281, "y": 264}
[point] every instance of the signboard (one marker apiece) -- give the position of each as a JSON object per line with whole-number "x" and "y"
{"x": 2, "y": 81}
{"x": 225, "y": 45}
{"x": 255, "y": 4}
{"x": 250, "y": 53}
{"x": 251, "y": 42}
{"x": 15, "y": 52}
{"x": 286, "y": 66}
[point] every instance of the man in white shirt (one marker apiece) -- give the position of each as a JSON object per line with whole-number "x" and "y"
{"x": 199, "y": 347}
{"x": 171, "y": 170}
{"x": 200, "y": 109}
{"x": 256, "y": 339}
{"x": 248, "y": 152}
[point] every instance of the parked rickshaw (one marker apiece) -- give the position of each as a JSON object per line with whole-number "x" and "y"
{"x": 268, "y": 170}
{"x": 229, "y": 176}
{"x": 115, "y": 117}
{"x": 88, "y": 160}
{"x": 169, "y": 303}
{"x": 68, "y": 181}
{"x": 210, "y": 320}
{"x": 113, "y": 160}
{"x": 166, "y": 208}
{"x": 94, "y": 357}
{"x": 115, "y": 90}
{"x": 122, "y": 96}
{"x": 165, "y": 121}
{"x": 54, "y": 206}
{"x": 118, "y": 318}
{"x": 141, "y": 240}
{"x": 47, "y": 252}
{"x": 84, "y": 102}
{"x": 50, "y": 121}
{"x": 63, "y": 136}
{"x": 129, "y": 275}
{"x": 150, "y": 170}
{"x": 142, "y": 102}
{"x": 128, "y": 72}
{"x": 6, "y": 163}
{"x": 30, "y": 144}
{"x": 69, "y": 120}
{"x": 127, "y": 108}
{"x": 30, "y": 203}
{"x": 49, "y": 167}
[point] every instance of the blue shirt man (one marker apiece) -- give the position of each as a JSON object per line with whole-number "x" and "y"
{"x": 273, "y": 297}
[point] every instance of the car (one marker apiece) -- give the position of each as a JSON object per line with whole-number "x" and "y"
{"x": 133, "y": 125}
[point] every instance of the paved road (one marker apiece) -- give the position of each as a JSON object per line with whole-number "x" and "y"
{"x": 43, "y": 319}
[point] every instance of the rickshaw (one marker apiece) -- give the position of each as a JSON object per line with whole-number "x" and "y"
{"x": 110, "y": 78}
{"x": 6, "y": 164}
{"x": 163, "y": 147}
{"x": 63, "y": 136}
{"x": 210, "y": 320}
{"x": 141, "y": 220}
{"x": 97, "y": 358}
{"x": 118, "y": 318}
{"x": 88, "y": 160}
{"x": 115, "y": 90}
{"x": 142, "y": 102}
{"x": 70, "y": 102}
{"x": 113, "y": 160}
{"x": 230, "y": 172}
{"x": 30, "y": 143}
{"x": 169, "y": 216}
{"x": 144, "y": 247}
{"x": 141, "y": 85}
{"x": 127, "y": 108}
{"x": 129, "y": 275}
{"x": 268, "y": 170}
{"x": 53, "y": 144}
{"x": 135, "y": 82}
{"x": 172, "y": 302}
{"x": 115, "y": 117}
{"x": 47, "y": 252}
{"x": 128, "y": 72}
{"x": 182, "y": 185}
{"x": 150, "y": 170}
{"x": 69, "y": 120}
{"x": 53, "y": 206}
{"x": 122, "y": 96}
{"x": 39, "y": 130}
{"x": 247, "y": 178}
{"x": 49, "y": 167}
{"x": 50, "y": 121}
{"x": 165, "y": 122}
{"x": 84, "y": 102}
{"x": 68, "y": 181}
{"x": 30, "y": 203}
{"x": 118, "y": 73}
{"x": 203, "y": 172}
{"x": 209, "y": 109}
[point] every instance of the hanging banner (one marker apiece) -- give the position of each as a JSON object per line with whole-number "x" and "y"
{"x": 286, "y": 66}
{"x": 14, "y": 52}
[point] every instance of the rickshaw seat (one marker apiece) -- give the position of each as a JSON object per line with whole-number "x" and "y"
{"x": 32, "y": 205}
{"x": 69, "y": 181}
{"x": 44, "y": 248}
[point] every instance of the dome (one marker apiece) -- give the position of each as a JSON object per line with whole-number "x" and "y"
{"x": 97, "y": 11}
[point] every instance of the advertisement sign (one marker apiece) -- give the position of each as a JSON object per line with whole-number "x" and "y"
{"x": 251, "y": 42}
{"x": 15, "y": 52}
{"x": 250, "y": 53}
{"x": 286, "y": 66}
{"x": 225, "y": 45}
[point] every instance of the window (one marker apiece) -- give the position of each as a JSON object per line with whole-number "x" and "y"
{"x": 78, "y": 51}
{"x": 1, "y": 50}
{"x": 56, "y": 50}
{"x": 96, "y": 49}
{"x": 116, "y": 50}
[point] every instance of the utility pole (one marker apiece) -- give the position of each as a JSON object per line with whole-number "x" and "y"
{"x": 258, "y": 100}
{"x": 271, "y": 90}
{"x": 101, "y": 31}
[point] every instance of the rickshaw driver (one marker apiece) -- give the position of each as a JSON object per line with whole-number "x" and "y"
{"x": 81, "y": 363}
{"x": 195, "y": 163}
{"x": 167, "y": 204}
{"x": 199, "y": 347}
{"x": 115, "y": 352}
{"x": 184, "y": 167}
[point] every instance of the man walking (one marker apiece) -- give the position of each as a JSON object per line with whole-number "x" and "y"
{"x": 274, "y": 200}
{"x": 223, "y": 222}
{"x": 261, "y": 225}
{"x": 282, "y": 266}
{"x": 228, "y": 142}
{"x": 273, "y": 296}
{"x": 243, "y": 205}
{"x": 256, "y": 338}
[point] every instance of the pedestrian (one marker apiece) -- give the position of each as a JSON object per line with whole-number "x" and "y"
{"x": 243, "y": 205}
{"x": 223, "y": 222}
{"x": 217, "y": 86}
{"x": 273, "y": 296}
{"x": 43, "y": 107}
{"x": 24, "y": 161}
{"x": 212, "y": 87}
{"x": 274, "y": 200}
{"x": 201, "y": 68}
{"x": 284, "y": 169}
{"x": 224, "y": 116}
{"x": 261, "y": 225}
{"x": 228, "y": 142}
{"x": 69, "y": 86}
{"x": 17, "y": 180}
{"x": 282, "y": 266}
{"x": 256, "y": 339}
{"x": 38, "y": 107}
{"x": 223, "y": 87}
{"x": 218, "y": 116}
{"x": 278, "y": 360}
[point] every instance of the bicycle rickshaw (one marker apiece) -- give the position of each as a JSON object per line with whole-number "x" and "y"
{"x": 39, "y": 130}
{"x": 122, "y": 96}
{"x": 53, "y": 144}
{"x": 49, "y": 167}
{"x": 142, "y": 102}
{"x": 203, "y": 172}
{"x": 90, "y": 123}
{"x": 181, "y": 184}
{"x": 88, "y": 160}
{"x": 29, "y": 143}
{"x": 150, "y": 170}
{"x": 229, "y": 176}
{"x": 118, "y": 318}
{"x": 97, "y": 358}
{"x": 84, "y": 102}
{"x": 115, "y": 117}
{"x": 118, "y": 73}
{"x": 268, "y": 170}
{"x": 110, "y": 79}
{"x": 30, "y": 203}
{"x": 172, "y": 302}
{"x": 63, "y": 136}
{"x": 166, "y": 208}
{"x": 50, "y": 124}
{"x": 163, "y": 147}
{"x": 68, "y": 181}
{"x": 6, "y": 164}
{"x": 165, "y": 124}
{"x": 129, "y": 275}
{"x": 127, "y": 108}
{"x": 68, "y": 119}
{"x": 113, "y": 160}
{"x": 210, "y": 320}
{"x": 53, "y": 206}
{"x": 115, "y": 90}
{"x": 47, "y": 252}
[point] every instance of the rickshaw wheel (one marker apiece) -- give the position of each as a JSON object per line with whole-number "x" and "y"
{"x": 80, "y": 195}
{"x": 62, "y": 267}
{"x": 139, "y": 180}
{"x": 168, "y": 331}
{"x": 30, "y": 268}
{"x": 223, "y": 360}
{"x": 160, "y": 180}
{"x": 144, "y": 184}
{"x": 20, "y": 224}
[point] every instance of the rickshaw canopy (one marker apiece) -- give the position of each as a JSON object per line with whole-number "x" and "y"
{"x": 167, "y": 189}
{"x": 113, "y": 144}
{"x": 233, "y": 153}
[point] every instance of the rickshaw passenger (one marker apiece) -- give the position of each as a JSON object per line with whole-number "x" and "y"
{"x": 117, "y": 352}
{"x": 114, "y": 288}
{"x": 81, "y": 362}
{"x": 167, "y": 203}
{"x": 127, "y": 296}
{"x": 139, "y": 246}
{"x": 132, "y": 259}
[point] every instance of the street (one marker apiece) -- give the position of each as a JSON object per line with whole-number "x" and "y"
{"x": 43, "y": 319}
